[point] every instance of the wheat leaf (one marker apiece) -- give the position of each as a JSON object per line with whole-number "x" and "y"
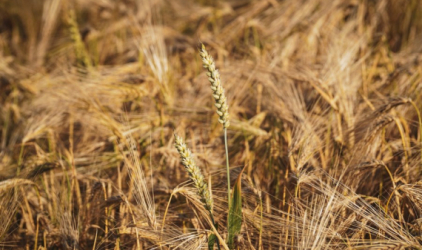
{"x": 235, "y": 213}
{"x": 211, "y": 241}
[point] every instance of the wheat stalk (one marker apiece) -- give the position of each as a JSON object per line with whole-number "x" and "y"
{"x": 220, "y": 103}
{"x": 197, "y": 178}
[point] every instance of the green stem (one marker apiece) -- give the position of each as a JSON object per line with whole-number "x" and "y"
{"x": 213, "y": 222}
{"x": 227, "y": 166}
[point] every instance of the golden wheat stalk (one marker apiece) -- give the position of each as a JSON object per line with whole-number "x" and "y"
{"x": 194, "y": 172}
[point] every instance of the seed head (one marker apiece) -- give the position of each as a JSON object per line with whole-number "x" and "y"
{"x": 194, "y": 172}
{"x": 218, "y": 91}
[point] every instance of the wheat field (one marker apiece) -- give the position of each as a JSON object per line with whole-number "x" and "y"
{"x": 298, "y": 127}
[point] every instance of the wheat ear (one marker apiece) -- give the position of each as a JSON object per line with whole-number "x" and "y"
{"x": 218, "y": 91}
{"x": 194, "y": 172}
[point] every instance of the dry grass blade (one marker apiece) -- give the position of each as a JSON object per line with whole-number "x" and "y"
{"x": 141, "y": 190}
{"x": 11, "y": 183}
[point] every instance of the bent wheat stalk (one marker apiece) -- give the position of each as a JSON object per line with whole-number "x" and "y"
{"x": 196, "y": 176}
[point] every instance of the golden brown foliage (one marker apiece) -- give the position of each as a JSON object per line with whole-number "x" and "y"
{"x": 324, "y": 116}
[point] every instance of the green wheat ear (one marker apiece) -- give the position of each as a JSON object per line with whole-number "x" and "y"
{"x": 218, "y": 91}
{"x": 82, "y": 56}
{"x": 194, "y": 172}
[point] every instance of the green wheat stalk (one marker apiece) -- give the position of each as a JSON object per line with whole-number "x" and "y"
{"x": 220, "y": 103}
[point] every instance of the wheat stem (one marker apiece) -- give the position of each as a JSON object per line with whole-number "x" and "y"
{"x": 227, "y": 167}
{"x": 220, "y": 104}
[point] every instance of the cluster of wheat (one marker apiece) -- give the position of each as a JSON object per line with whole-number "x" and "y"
{"x": 324, "y": 137}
